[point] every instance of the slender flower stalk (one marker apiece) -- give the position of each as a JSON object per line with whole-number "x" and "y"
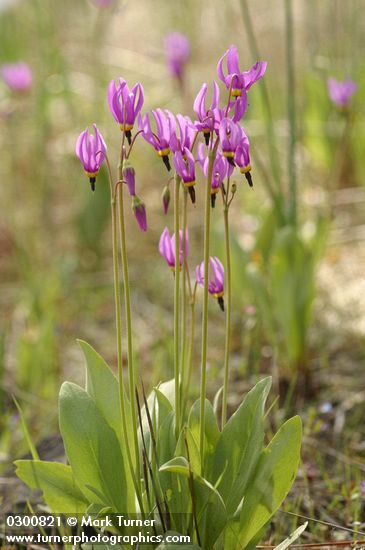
{"x": 131, "y": 372}
{"x": 228, "y": 288}
{"x": 203, "y": 366}
{"x": 184, "y": 296}
{"x": 176, "y": 306}
{"x": 118, "y": 316}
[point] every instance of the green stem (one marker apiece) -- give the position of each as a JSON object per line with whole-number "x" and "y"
{"x": 228, "y": 312}
{"x": 291, "y": 110}
{"x": 203, "y": 368}
{"x": 191, "y": 350}
{"x": 176, "y": 305}
{"x": 184, "y": 298}
{"x": 119, "y": 349}
{"x": 127, "y": 300}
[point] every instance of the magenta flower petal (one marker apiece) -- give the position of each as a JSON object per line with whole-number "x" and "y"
{"x": 235, "y": 79}
{"x": 166, "y": 247}
{"x": 91, "y": 150}
{"x": 125, "y": 105}
{"x": 216, "y": 279}
{"x": 254, "y": 74}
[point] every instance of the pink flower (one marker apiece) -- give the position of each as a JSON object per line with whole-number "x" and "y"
{"x": 166, "y": 247}
{"x": 185, "y": 166}
{"x": 341, "y": 92}
{"x": 177, "y": 53}
{"x": 125, "y": 105}
{"x": 160, "y": 139}
{"x": 18, "y": 76}
{"x": 216, "y": 279}
{"x": 91, "y": 151}
{"x": 239, "y": 82}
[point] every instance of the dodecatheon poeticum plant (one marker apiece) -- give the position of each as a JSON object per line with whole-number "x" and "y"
{"x": 166, "y": 248}
{"x": 236, "y": 81}
{"x": 125, "y": 105}
{"x": 160, "y": 140}
{"x": 216, "y": 279}
{"x": 169, "y": 457}
{"x": 91, "y": 150}
{"x": 341, "y": 92}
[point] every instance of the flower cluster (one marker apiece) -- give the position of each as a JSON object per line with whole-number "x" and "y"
{"x": 224, "y": 148}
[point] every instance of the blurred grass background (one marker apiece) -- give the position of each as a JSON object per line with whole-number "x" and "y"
{"x": 55, "y": 250}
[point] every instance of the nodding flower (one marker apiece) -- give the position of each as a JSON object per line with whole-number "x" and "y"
{"x": 91, "y": 151}
{"x": 242, "y": 157}
{"x": 239, "y": 82}
{"x": 220, "y": 170}
{"x": 177, "y": 53}
{"x": 166, "y": 248}
{"x": 129, "y": 175}
{"x": 185, "y": 167}
{"x": 125, "y": 105}
{"x": 206, "y": 116}
{"x": 229, "y": 137}
{"x": 186, "y": 135}
{"x": 166, "y": 196}
{"x": 216, "y": 279}
{"x": 160, "y": 141}
{"x": 341, "y": 92}
{"x": 139, "y": 211}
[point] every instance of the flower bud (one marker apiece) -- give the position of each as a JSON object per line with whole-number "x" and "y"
{"x": 139, "y": 210}
{"x": 129, "y": 177}
{"x": 166, "y": 198}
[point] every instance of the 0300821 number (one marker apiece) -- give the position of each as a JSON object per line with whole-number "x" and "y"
{"x": 33, "y": 521}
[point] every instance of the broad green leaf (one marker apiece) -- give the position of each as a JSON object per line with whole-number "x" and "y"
{"x": 211, "y": 513}
{"x": 57, "y": 483}
{"x": 240, "y": 446}
{"x": 188, "y": 446}
{"x": 274, "y": 476}
{"x": 103, "y": 387}
{"x": 160, "y": 404}
{"x": 92, "y": 449}
{"x": 211, "y": 432}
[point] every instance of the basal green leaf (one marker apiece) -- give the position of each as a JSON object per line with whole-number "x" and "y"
{"x": 92, "y": 449}
{"x": 57, "y": 483}
{"x": 240, "y": 446}
{"x": 211, "y": 512}
{"x": 274, "y": 476}
{"x": 103, "y": 387}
